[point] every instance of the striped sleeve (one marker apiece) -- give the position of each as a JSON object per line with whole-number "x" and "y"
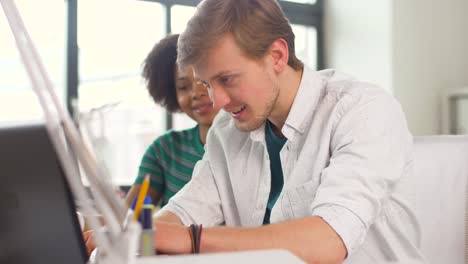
{"x": 151, "y": 164}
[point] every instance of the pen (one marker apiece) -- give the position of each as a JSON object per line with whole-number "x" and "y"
{"x": 147, "y": 200}
{"x": 141, "y": 197}
{"x": 146, "y": 216}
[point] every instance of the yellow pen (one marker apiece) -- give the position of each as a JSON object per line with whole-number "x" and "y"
{"x": 141, "y": 197}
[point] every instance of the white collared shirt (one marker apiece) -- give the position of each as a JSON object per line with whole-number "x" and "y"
{"x": 347, "y": 148}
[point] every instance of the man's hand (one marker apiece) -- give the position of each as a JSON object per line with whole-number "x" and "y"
{"x": 171, "y": 236}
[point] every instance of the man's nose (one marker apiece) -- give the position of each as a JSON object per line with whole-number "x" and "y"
{"x": 218, "y": 96}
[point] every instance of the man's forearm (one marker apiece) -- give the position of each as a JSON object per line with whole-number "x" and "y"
{"x": 311, "y": 238}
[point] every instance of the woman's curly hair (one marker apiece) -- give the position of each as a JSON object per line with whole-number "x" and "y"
{"x": 159, "y": 72}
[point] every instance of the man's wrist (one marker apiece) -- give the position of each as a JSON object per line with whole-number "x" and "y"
{"x": 172, "y": 238}
{"x": 195, "y": 232}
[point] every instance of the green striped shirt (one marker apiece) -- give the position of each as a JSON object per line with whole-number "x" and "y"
{"x": 170, "y": 161}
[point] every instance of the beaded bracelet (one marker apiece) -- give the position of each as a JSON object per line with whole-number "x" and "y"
{"x": 195, "y": 236}
{"x": 192, "y": 241}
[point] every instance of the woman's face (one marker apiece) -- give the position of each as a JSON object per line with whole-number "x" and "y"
{"x": 193, "y": 98}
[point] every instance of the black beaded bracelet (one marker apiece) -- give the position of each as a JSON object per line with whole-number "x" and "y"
{"x": 192, "y": 239}
{"x": 198, "y": 240}
{"x": 195, "y": 235}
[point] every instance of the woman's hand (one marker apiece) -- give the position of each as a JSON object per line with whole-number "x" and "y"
{"x": 89, "y": 241}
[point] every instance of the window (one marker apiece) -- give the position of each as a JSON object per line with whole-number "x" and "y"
{"x": 114, "y": 106}
{"x": 180, "y": 15}
{"x": 306, "y": 44}
{"x": 17, "y": 99}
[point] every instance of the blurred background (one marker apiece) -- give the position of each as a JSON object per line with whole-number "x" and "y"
{"x": 93, "y": 51}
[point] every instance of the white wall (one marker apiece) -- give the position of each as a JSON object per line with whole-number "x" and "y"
{"x": 430, "y": 47}
{"x": 358, "y": 39}
{"x": 417, "y": 49}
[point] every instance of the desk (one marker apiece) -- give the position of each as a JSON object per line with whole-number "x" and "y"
{"x": 257, "y": 256}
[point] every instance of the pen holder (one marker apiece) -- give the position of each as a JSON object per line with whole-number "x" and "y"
{"x": 147, "y": 246}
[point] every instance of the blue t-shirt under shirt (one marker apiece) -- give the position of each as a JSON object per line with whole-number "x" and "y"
{"x": 274, "y": 146}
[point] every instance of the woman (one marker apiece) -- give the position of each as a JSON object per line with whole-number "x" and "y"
{"x": 170, "y": 159}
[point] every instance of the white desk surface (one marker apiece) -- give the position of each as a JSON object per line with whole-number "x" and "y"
{"x": 258, "y": 256}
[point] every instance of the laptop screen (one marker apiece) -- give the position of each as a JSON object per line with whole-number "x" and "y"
{"x": 38, "y": 223}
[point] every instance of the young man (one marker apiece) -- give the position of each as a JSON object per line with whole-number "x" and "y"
{"x": 302, "y": 160}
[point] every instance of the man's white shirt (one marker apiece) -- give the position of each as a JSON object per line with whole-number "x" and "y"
{"x": 347, "y": 148}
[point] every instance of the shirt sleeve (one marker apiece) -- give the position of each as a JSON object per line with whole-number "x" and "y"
{"x": 346, "y": 224}
{"x": 370, "y": 147}
{"x": 198, "y": 201}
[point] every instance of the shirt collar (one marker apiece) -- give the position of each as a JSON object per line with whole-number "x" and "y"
{"x": 306, "y": 100}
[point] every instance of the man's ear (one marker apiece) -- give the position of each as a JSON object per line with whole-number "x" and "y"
{"x": 279, "y": 53}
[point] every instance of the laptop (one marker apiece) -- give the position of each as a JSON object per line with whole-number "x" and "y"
{"x": 38, "y": 223}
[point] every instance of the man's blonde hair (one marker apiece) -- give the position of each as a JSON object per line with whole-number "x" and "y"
{"x": 254, "y": 24}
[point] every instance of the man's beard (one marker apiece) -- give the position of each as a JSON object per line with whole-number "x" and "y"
{"x": 260, "y": 118}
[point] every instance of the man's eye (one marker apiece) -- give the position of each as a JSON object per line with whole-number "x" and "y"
{"x": 226, "y": 80}
{"x": 182, "y": 88}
